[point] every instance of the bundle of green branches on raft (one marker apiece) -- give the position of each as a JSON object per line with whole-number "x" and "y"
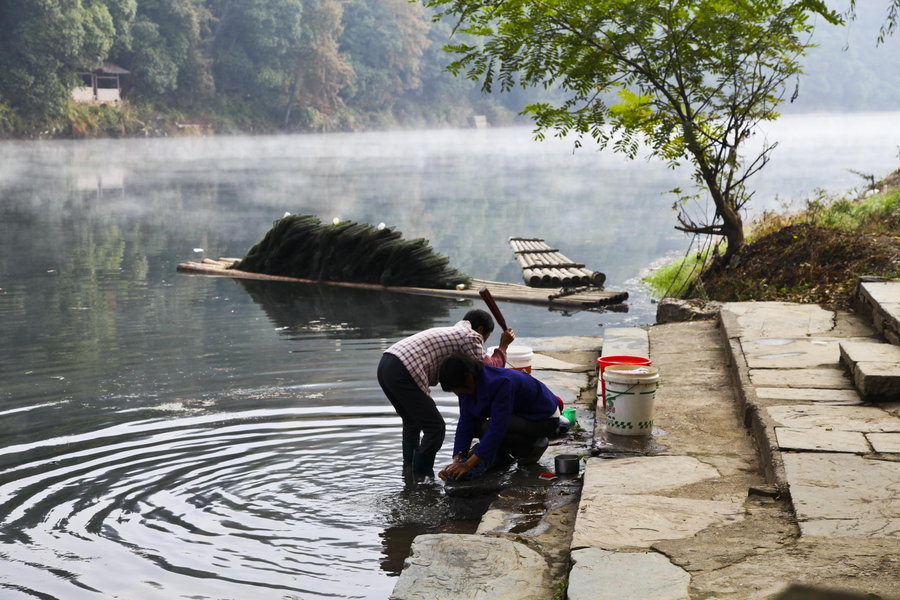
{"x": 302, "y": 246}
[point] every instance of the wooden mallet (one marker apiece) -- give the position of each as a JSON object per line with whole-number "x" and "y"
{"x": 492, "y": 306}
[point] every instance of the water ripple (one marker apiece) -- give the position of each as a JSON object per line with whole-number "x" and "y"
{"x": 201, "y": 506}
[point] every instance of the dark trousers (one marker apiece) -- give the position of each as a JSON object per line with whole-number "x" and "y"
{"x": 423, "y": 425}
{"x": 519, "y": 443}
{"x": 521, "y": 434}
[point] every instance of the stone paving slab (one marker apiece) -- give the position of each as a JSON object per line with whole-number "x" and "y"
{"x": 601, "y": 575}
{"x": 821, "y": 439}
{"x": 474, "y": 567}
{"x": 784, "y": 353}
{"x": 800, "y": 378}
{"x": 877, "y": 380}
{"x": 883, "y": 292}
{"x": 875, "y": 367}
{"x": 851, "y": 528}
{"x": 542, "y": 362}
{"x": 885, "y": 443}
{"x": 880, "y": 301}
{"x": 643, "y": 474}
{"x": 822, "y": 395}
{"x": 866, "y": 419}
{"x": 853, "y": 351}
{"x": 617, "y": 521}
{"x": 563, "y": 343}
{"x": 526, "y": 508}
{"x": 565, "y": 385}
{"x": 625, "y": 341}
{"x": 844, "y": 494}
{"x": 760, "y": 320}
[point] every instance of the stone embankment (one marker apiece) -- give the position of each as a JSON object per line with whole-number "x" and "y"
{"x": 774, "y": 463}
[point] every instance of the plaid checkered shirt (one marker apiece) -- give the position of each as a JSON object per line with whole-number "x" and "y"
{"x": 423, "y": 352}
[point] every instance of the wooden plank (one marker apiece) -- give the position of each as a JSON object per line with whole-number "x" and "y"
{"x": 559, "y": 265}
{"x": 507, "y": 292}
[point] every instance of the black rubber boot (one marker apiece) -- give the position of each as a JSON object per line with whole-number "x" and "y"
{"x": 409, "y": 450}
{"x": 534, "y": 453}
{"x": 422, "y": 466}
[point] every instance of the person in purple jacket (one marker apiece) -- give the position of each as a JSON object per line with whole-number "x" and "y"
{"x": 511, "y": 412}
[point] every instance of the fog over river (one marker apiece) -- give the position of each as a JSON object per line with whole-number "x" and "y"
{"x": 167, "y": 435}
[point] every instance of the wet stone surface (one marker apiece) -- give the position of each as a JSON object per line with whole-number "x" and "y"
{"x": 611, "y": 445}
{"x": 450, "y": 567}
{"x": 523, "y": 510}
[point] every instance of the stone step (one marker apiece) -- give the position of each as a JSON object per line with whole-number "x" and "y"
{"x": 625, "y": 341}
{"x": 874, "y": 368}
{"x": 879, "y": 301}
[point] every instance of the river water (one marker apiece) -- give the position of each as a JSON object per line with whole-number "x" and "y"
{"x": 167, "y": 435}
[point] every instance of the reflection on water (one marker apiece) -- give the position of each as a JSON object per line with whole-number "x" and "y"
{"x": 164, "y": 435}
{"x": 300, "y": 308}
{"x": 425, "y": 509}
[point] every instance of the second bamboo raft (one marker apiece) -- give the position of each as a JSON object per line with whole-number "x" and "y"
{"x": 543, "y": 266}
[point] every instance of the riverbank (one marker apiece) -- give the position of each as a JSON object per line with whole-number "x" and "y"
{"x": 124, "y": 119}
{"x": 744, "y": 490}
{"x": 812, "y": 255}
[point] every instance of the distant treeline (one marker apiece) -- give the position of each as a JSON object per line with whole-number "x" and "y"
{"x": 294, "y": 65}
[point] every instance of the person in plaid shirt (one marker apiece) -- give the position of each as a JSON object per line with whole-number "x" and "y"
{"x": 409, "y": 369}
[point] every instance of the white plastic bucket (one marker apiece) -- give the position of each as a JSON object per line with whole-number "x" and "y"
{"x": 630, "y": 397}
{"x": 517, "y": 357}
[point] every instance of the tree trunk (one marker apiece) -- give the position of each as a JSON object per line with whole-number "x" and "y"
{"x": 292, "y": 93}
{"x": 732, "y": 225}
{"x": 733, "y": 230}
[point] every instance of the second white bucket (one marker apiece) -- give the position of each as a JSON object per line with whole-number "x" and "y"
{"x": 517, "y": 357}
{"x": 630, "y": 398}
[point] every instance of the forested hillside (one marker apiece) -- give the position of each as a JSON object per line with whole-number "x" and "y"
{"x": 232, "y": 65}
{"x": 296, "y": 65}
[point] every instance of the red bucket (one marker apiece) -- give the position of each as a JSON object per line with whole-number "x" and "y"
{"x": 605, "y": 361}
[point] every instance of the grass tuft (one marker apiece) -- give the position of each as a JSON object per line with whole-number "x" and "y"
{"x": 676, "y": 278}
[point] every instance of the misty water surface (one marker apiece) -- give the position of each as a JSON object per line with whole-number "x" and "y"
{"x": 167, "y": 435}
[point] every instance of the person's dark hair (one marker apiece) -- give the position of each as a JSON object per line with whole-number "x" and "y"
{"x": 453, "y": 371}
{"x": 480, "y": 318}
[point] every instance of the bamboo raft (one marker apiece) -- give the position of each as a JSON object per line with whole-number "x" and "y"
{"x": 543, "y": 266}
{"x": 585, "y": 299}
